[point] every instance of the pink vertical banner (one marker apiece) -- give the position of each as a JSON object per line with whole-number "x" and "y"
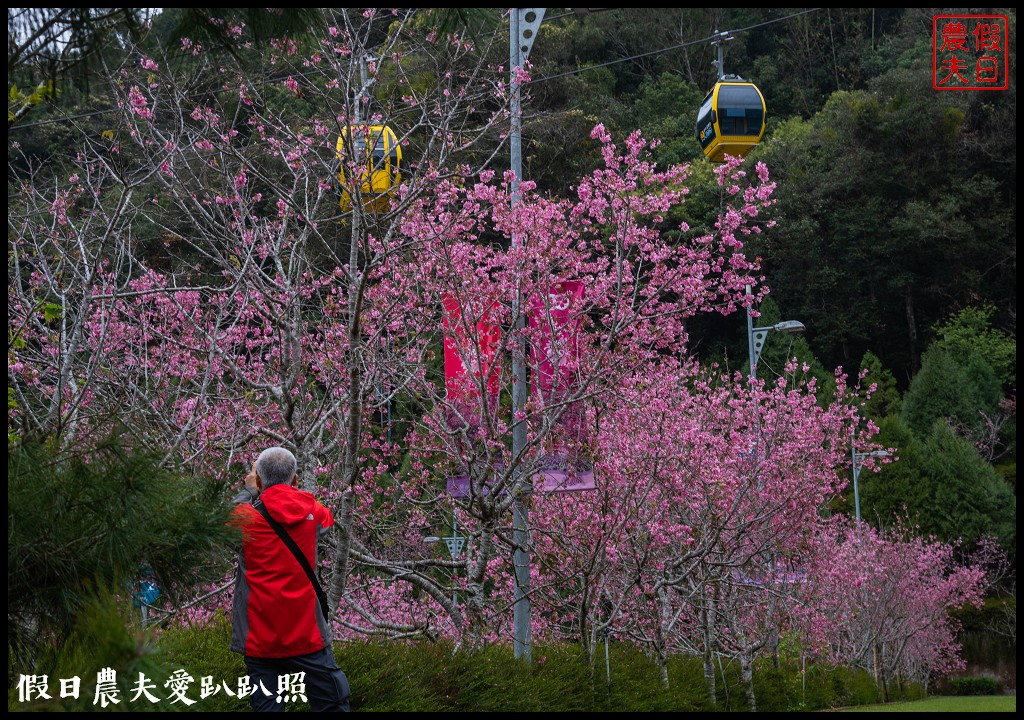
{"x": 470, "y": 356}
{"x": 557, "y": 329}
{"x": 556, "y": 325}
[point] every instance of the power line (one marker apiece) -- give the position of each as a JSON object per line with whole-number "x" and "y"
{"x": 536, "y": 80}
{"x": 668, "y": 49}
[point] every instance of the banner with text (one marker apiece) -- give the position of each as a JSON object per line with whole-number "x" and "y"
{"x": 471, "y": 340}
{"x": 557, "y": 330}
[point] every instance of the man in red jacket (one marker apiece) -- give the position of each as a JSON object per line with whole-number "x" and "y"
{"x": 278, "y": 624}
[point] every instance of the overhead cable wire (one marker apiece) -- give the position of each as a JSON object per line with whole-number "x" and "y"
{"x": 51, "y": 121}
{"x": 670, "y": 48}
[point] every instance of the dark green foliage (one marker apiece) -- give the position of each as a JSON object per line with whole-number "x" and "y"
{"x": 851, "y": 687}
{"x": 792, "y": 688}
{"x": 412, "y": 677}
{"x": 945, "y": 388}
{"x": 778, "y": 689}
{"x": 636, "y": 685}
{"x": 878, "y": 237}
{"x": 397, "y": 677}
{"x": 81, "y": 526}
{"x": 941, "y": 482}
{"x": 973, "y": 686}
{"x": 972, "y": 500}
{"x": 886, "y": 399}
{"x": 203, "y": 652}
{"x": 987, "y": 355}
{"x": 970, "y": 332}
{"x": 213, "y": 25}
{"x": 840, "y": 687}
{"x": 992, "y": 613}
{"x": 657, "y": 115}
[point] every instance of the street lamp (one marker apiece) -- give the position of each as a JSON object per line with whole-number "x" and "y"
{"x": 755, "y": 341}
{"x": 756, "y": 336}
{"x": 857, "y": 465}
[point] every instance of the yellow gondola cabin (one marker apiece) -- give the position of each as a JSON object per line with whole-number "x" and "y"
{"x": 377, "y": 167}
{"x": 731, "y": 119}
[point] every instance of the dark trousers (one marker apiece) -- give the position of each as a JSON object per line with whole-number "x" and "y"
{"x": 326, "y": 686}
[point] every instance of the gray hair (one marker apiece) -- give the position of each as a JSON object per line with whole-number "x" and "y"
{"x": 276, "y": 465}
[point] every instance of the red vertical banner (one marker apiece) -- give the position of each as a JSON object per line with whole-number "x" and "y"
{"x": 471, "y": 340}
{"x": 556, "y": 337}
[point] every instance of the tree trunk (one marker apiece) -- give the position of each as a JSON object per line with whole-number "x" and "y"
{"x": 710, "y": 677}
{"x": 663, "y": 668}
{"x": 911, "y": 331}
{"x": 747, "y": 676}
{"x": 353, "y": 426}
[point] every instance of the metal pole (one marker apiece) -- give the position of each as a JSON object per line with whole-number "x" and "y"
{"x": 455, "y": 535}
{"x": 520, "y": 514}
{"x": 750, "y": 340}
{"x": 856, "y": 489}
{"x": 858, "y": 465}
{"x": 607, "y": 661}
{"x": 721, "y": 58}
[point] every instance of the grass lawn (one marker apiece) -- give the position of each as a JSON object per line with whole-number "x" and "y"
{"x": 984, "y": 703}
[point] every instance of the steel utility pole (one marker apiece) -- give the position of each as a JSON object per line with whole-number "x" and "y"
{"x": 523, "y": 25}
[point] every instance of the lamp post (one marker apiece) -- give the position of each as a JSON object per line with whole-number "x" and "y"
{"x": 755, "y": 341}
{"x": 756, "y": 336}
{"x": 857, "y": 465}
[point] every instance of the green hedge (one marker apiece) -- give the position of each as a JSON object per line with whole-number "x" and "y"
{"x": 431, "y": 676}
{"x": 972, "y": 686}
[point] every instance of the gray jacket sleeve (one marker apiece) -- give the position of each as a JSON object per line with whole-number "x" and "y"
{"x": 245, "y": 495}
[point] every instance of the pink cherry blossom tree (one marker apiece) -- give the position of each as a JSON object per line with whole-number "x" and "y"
{"x": 881, "y": 600}
{"x": 246, "y": 321}
{"x": 722, "y": 483}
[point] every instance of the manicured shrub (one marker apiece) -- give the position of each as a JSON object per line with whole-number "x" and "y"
{"x": 415, "y": 676}
{"x": 778, "y": 689}
{"x": 973, "y": 686}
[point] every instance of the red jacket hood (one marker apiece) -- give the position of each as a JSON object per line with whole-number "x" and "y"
{"x": 288, "y": 505}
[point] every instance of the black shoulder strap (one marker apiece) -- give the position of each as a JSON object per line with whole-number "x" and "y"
{"x": 283, "y": 534}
